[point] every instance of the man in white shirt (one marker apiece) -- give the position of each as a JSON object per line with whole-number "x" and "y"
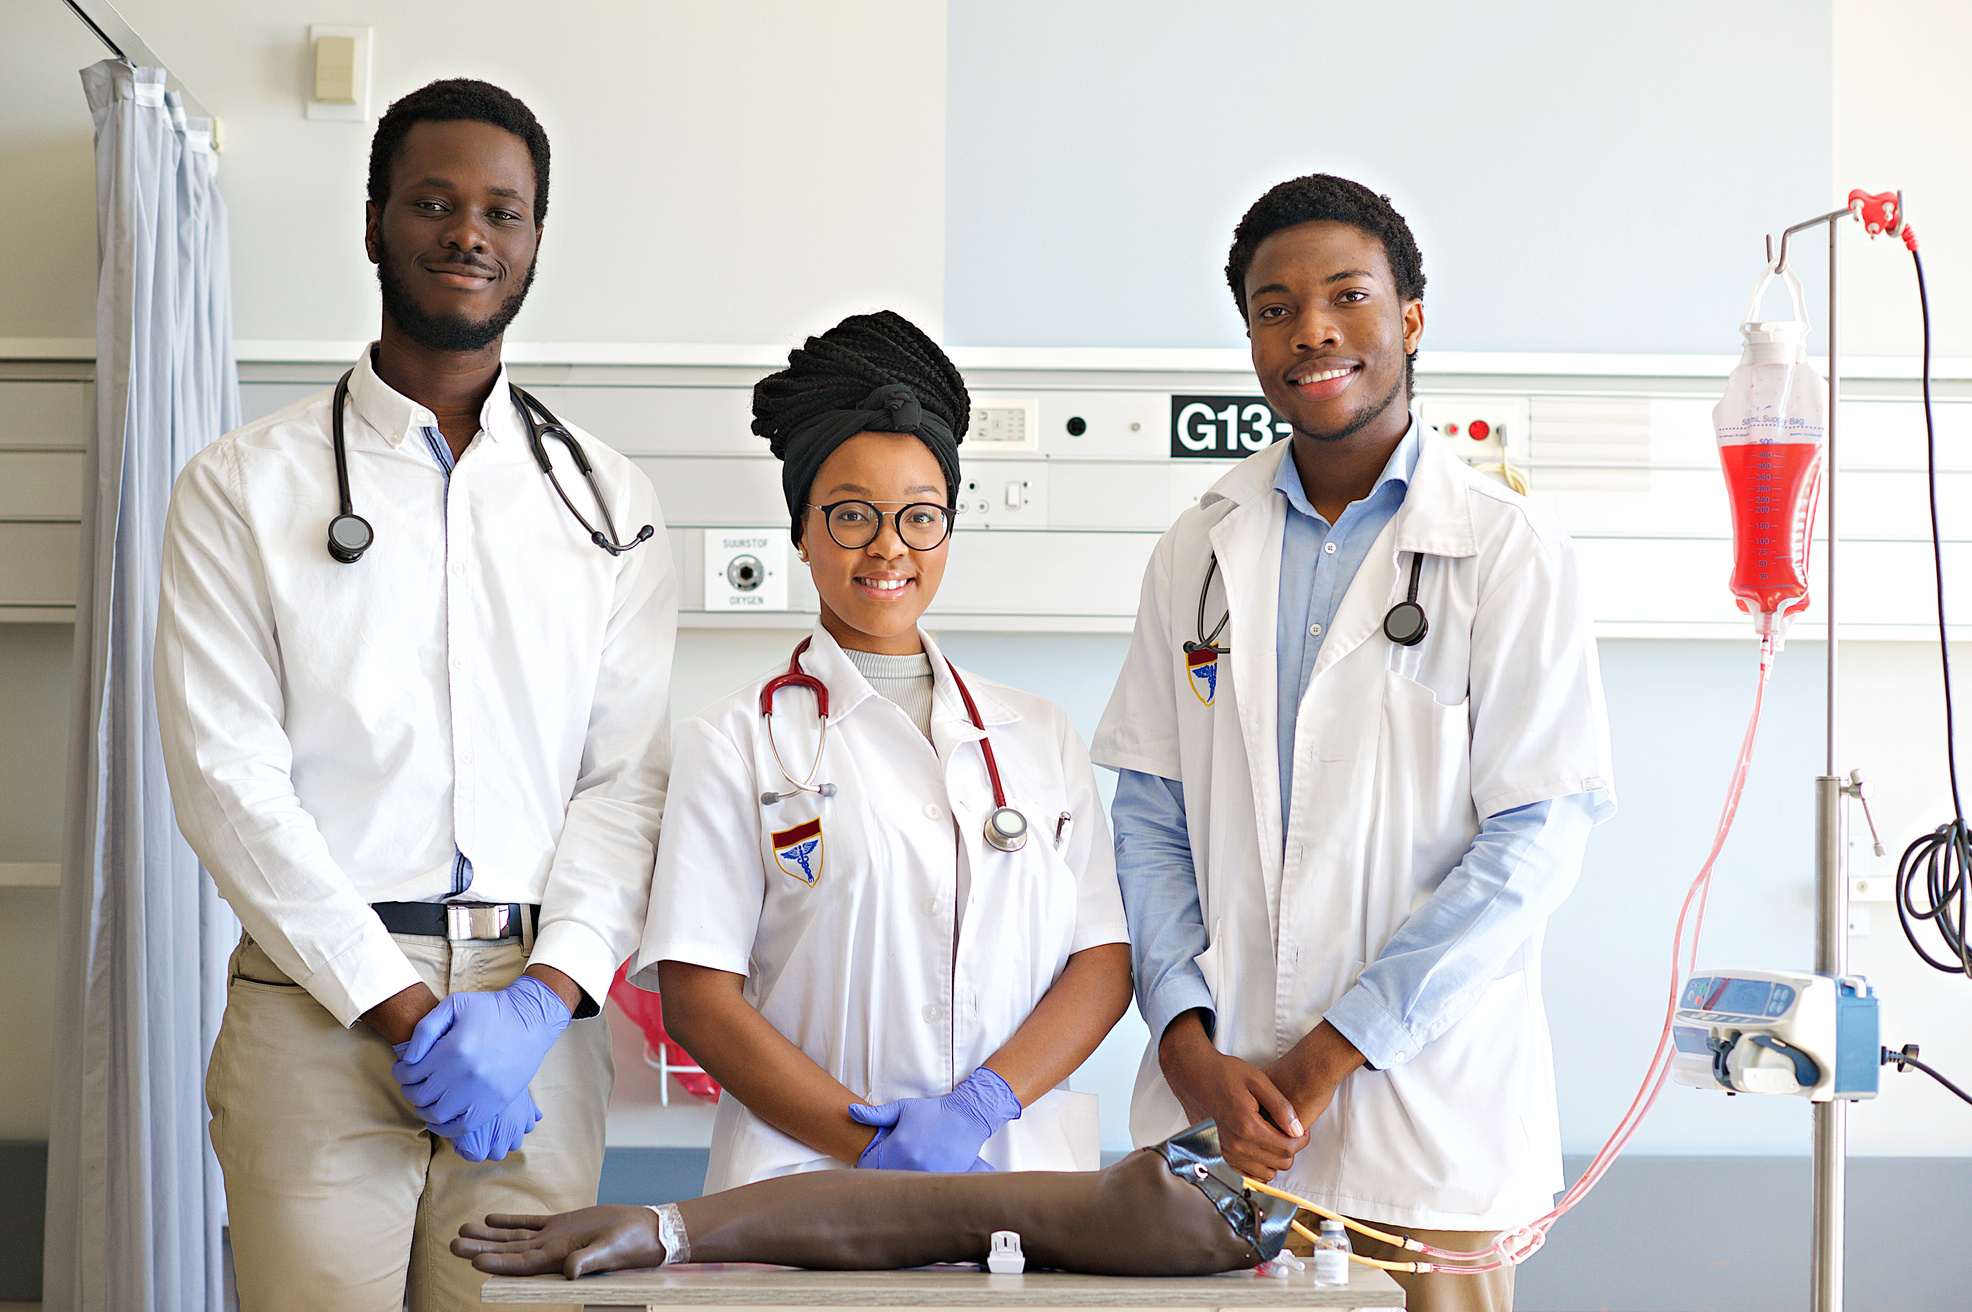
{"x": 424, "y": 759}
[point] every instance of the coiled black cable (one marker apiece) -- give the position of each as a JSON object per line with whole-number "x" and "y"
{"x": 1943, "y": 856}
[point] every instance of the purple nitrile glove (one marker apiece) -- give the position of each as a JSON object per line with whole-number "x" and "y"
{"x": 492, "y": 1140}
{"x": 938, "y": 1134}
{"x": 473, "y": 1054}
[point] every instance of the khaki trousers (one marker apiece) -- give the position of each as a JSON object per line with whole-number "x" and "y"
{"x": 1434, "y": 1291}
{"x": 338, "y": 1197}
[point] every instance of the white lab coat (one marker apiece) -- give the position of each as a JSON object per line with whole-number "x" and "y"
{"x": 1399, "y": 752}
{"x": 849, "y": 947}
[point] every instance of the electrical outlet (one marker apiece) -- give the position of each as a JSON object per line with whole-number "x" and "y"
{"x": 1480, "y": 430}
{"x": 1004, "y": 494}
{"x": 745, "y": 569}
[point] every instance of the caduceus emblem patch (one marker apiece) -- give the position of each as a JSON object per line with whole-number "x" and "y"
{"x": 799, "y": 851}
{"x": 1203, "y": 667}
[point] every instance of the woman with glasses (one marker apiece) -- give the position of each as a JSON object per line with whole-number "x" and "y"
{"x": 885, "y": 916}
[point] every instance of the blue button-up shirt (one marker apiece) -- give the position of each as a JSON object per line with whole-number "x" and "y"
{"x": 1471, "y": 929}
{"x": 1317, "y": 564}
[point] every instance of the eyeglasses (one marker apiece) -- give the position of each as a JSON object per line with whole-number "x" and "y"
{"x": 853, "y": 525}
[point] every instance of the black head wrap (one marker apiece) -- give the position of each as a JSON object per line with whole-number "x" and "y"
{"x": 871, "y": 373}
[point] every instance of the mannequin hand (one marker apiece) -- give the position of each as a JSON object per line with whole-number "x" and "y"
{"x": 938, "y": 1134}
{"x": 472, "y": 1056}
{"x": 1259, "y": 1133}
{"x": 492, "y": 1140}
{"x": 573, "y": 1243}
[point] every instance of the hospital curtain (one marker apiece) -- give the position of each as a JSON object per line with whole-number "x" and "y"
{"x": 134, "y": 1196}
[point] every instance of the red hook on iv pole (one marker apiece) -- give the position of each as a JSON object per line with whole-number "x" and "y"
{"x": 1882, "y": 215}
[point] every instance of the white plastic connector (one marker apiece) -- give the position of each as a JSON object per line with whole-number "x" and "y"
{"x": 1005, "y": 1257}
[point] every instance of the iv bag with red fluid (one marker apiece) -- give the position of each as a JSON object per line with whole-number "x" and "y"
{"x": 1772, "y": 430}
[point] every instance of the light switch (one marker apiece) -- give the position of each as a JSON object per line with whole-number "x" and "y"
{"x": 1016, "y": 494}
{"x": 335, "y": 70}
{"x": 340, "y": 84}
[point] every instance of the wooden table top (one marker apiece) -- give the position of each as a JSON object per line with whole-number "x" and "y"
{"x": 939, "y": 1287}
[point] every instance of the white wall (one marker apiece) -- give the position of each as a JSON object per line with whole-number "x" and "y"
{"x": 45, "y": 160}
{"x": 746, "y": 173}
{"x": 1901, "y": 105}
{"x": 738, "y": 172}
{"x": 1580, "y": 177}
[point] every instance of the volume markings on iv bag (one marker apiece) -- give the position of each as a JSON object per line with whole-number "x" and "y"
{"x": 1772, "y": 487}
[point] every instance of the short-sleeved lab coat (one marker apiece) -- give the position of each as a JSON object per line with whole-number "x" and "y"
{"x": 840, "y": 911}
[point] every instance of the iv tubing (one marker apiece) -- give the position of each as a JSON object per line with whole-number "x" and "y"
{"x": 1408, "y": 1268}
{"x": 1517, "y": 1245}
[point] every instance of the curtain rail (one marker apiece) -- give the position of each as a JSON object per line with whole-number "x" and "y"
{"x": 121, "y": 39}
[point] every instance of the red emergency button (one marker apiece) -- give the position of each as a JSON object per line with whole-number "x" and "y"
{"x": 1478, "y": 430}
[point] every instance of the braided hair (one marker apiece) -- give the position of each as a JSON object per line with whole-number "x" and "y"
{"x": 839, "y": 370}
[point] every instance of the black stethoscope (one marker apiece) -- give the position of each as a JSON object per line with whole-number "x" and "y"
{"x": 350, "y": 535}
{"x": 1404, "y": 623}
{"x": 1006, "y": 827}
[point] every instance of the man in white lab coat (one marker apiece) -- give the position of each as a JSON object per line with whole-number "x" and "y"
{"x": 1343, "y": 820}
{"x": 415, "y": 719}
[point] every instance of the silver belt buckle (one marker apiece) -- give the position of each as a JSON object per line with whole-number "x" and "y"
{"x": 469, "y": 921}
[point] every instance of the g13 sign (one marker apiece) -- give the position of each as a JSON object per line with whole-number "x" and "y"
{"x": 1223, "y": 427}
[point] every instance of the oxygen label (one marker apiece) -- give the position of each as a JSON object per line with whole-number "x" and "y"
{"x": 1223, "y": 427}
{"x": 745, "y": 569}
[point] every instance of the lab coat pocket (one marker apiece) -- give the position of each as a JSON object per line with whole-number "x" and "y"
{"x": 1422, "y": 789}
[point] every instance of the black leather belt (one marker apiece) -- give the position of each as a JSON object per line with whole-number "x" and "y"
{"x": 458, "y": 921}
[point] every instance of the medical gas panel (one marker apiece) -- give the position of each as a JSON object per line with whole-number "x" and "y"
{"x": 1067, "y": 488}
{"x": 1069, "y": 478}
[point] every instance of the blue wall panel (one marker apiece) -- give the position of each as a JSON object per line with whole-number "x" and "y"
{"x": 1580, "y": 177}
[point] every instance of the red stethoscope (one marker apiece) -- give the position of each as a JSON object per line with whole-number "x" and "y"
{"x": 1006, "y": 828}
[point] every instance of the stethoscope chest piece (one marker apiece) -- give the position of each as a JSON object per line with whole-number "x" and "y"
{"x": 349, "y": 537}
{"x": 1404, "y": 623}
{"x": 1006, "y": 829}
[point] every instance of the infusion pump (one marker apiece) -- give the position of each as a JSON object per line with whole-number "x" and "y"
{"x": 1764, "y": 1031}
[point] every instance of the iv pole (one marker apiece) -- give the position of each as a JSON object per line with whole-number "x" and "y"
{"x": 1831, "y": 1118}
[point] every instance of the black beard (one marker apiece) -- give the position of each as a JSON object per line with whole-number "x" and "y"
{"x": 1362, "y": 419}
{"x": 444, "y": 332}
